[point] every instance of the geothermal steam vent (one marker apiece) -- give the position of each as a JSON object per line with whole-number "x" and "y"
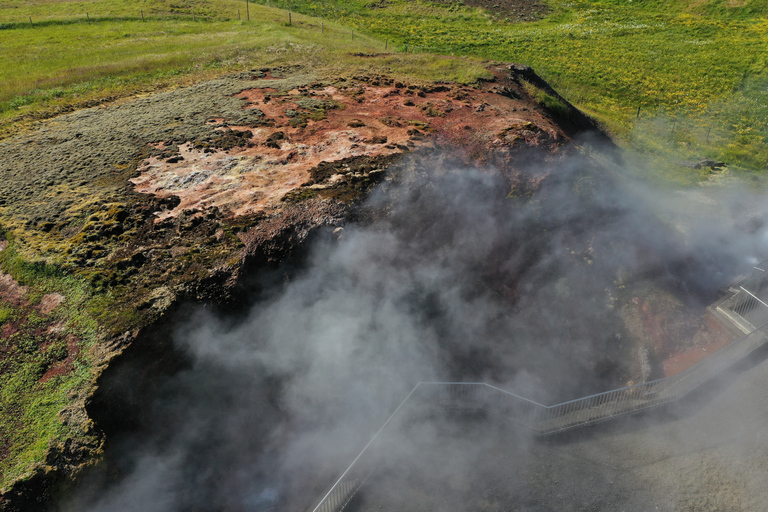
{"x": 424, "y": 280}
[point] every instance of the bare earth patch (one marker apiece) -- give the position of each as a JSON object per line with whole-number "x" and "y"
{"x": 681, "y": 361}
{"x": 517, "y": 10}
{"x": 67, "y": 365}
{"x": 313, "y": 125}
{"x": 49, "y": 302}
{"x": 11, "y": 291}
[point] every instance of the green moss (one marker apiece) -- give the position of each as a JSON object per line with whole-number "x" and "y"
{"x": 30, "y": 419}
{"x": 430, "y": 110}
{"x": 315, "y": 104}
{"x": 547, "y": 101}
{"x": 6, "y": 313}
{"x": 300, "y": 194}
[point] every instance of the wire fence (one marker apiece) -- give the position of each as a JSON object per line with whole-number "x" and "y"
{"x": 242, "y": 13}
{"x": 231, "y": 13}
{"x": 749, "y": 303}
{"x": 245, "y": 12}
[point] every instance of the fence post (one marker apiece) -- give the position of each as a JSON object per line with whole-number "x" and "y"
{"x": 238, "y": 15}
{"x": 88, "y": 18}
{"x": 290, "y": 21}
{"x": 247, "y": 10}
{"x": 193, "y": 14}
{"x": 30, "y": 22}
{"x": 322, "y": 27}
{"x": 386, "y": 44}
{"x": 142, "y": 15}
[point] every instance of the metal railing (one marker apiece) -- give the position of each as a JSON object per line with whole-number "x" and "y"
{"x": 358, "y": 472}
{"x": 750, "y": 303}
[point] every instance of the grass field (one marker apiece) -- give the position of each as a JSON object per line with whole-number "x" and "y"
{"x": 700, "y": 70}
{"x": 62, "y": 60}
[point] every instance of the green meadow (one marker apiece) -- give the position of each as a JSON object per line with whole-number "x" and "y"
{"x": 78, "y": 54}
{"x": 62, "y": 59}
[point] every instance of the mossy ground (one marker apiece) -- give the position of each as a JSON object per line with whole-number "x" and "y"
{"x": 46, "y": 360}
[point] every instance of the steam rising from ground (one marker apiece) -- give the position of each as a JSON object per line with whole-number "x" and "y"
{"x": 450, "y": 277}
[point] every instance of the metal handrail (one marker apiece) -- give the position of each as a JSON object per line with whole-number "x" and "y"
{"x": 761, "y": 269}
{"x": 324, "y": 500}
{"x": 588, "y": 410}
{"x": 758, "y": 299}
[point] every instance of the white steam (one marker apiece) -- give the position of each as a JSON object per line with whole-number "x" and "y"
{"x": 449, "y": 279}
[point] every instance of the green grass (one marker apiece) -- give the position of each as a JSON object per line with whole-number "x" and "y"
{"x": 609, "y": 58}
{"x": 62, "y": 63}
{"x": 5, "y": 313}
{"x": 39, "y": 425}
{"x": 547, "y": 100}
{"x": 14, "y": 11}
{"x": 30, "y": 408}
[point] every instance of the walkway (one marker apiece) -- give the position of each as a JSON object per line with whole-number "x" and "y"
{"x": 708, "y": 452}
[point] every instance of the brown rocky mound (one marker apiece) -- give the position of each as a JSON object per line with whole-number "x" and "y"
{"x": 330, "y": 124}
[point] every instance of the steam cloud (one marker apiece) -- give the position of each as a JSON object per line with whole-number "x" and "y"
{"x": 448, "y": 278}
